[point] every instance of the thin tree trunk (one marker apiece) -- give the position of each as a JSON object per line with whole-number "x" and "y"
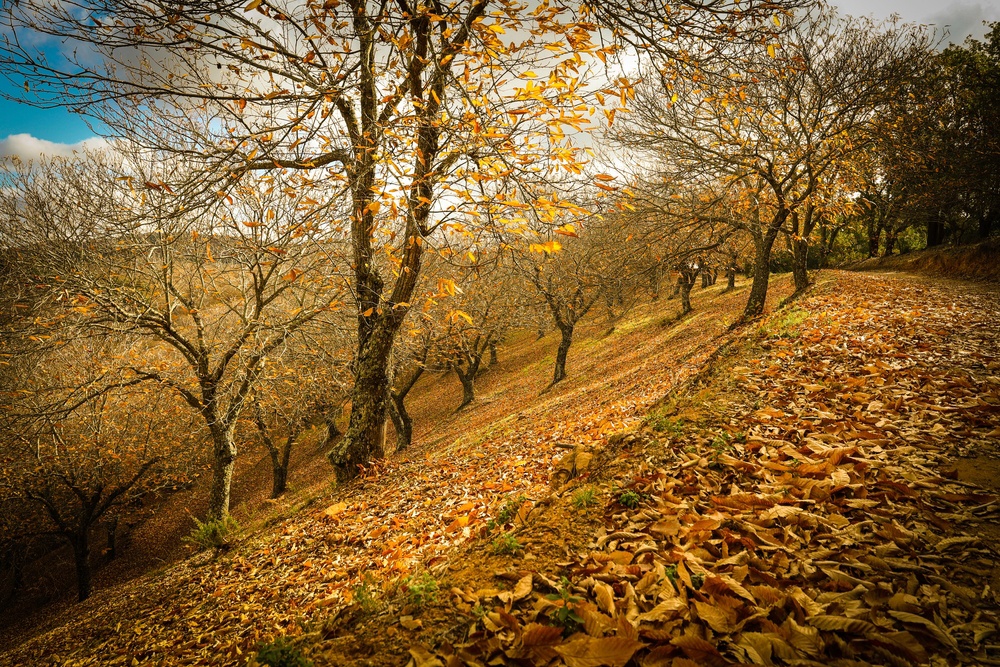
{"x": 730, "y": 277}
{"x": 401, "y": 421}
{"x": 761, "y": 273}
{"x": 564, "y": 345}
{"x": 493, "y": 353}
{"x": 800, "y": 263}
{"x": 686, "y": 286}
{"x": 81, "y": 554}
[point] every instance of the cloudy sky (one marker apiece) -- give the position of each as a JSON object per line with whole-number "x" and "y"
{"x": 28, "y": 132}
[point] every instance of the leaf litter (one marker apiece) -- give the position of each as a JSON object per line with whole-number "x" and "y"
{"x": 802, "y": 509}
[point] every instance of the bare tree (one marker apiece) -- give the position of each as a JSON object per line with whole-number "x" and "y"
{"x": 214, "y": 290}
{"x": 762, "y": 129}
{"x": 74, "y": 459}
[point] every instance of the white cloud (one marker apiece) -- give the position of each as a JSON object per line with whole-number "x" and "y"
{"x": 28, "y": 147}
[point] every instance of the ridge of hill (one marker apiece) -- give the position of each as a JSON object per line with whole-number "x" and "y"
{"x": 975, "y": 261}
{"x": 805, "y": 490}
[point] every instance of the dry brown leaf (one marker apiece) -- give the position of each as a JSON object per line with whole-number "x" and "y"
{"x": 536, "y": 634}
{"x": 605, "y": 598}
{"x": 593, "y": 652}
{"x": 940, "y": 634}
{"x": 719, "y": 619}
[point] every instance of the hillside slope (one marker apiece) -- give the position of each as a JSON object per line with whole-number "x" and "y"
{"x": 807, "y": 494}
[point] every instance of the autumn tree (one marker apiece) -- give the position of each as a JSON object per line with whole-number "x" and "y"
{"x": 214, "y": 288}
{"x": 401, "y": 106}
{"x": 75, "y": 458}
{"x": 569, "y": 270}
{"x": 300, "y": 383}
{"x": 768, "y": 123}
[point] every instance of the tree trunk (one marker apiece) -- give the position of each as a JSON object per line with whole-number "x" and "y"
{"x": 279, "y": 466}
{"x": 81, "y": 554}
{"x": 279, "y": 478}
{"x": 761, "y": 273}
{"x": 564, "y": 344}
{"x": 363, "y": 440}
{"x": 986, "y": 224}
{"x": 935, "y": 232}
{"x": 685, "y": 288}
{"x": 401, "y": 421}
{"x": 731, "y": 277}
{"x": 706, "y": 278}
{"x": 111, "y": 525}
{"x": 332, "y": 432}
{"x": 890, "y": 244}
{"x": 493, "y": 354}
{"x": 468, "y": 376}
{"x": 800, "y": 263}
{"x": 874, "y": 233}
{"x": 222, "y": 472}
{"x": 468, "y": 387}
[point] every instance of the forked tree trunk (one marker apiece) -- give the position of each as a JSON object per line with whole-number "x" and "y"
{"x": 279, "y": 466}
{"x": 363, "y": 440}
{"x": 874, "y": 234}
{"x": 224, "y": 460}
{"x": 761, "y": 272}
{"x": 468, "y": 388}
{"x": 890, "y": 244}
{"x": 564, "y": 344}
{"x": 468, "y": 377}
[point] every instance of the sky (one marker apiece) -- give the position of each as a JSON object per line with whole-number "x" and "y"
{"x": 29, "y": 132}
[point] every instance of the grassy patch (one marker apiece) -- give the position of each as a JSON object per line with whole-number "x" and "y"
{"x": 785, "y": 324}
{"x": 506, "y": 545}
{"x": 584, "y": 498}
{"x": 420, "y": 590}
{"x": 217, "y": 534}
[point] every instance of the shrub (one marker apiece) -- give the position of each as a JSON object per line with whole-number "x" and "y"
{"x": 420, "y": 590}
{"x": 506, "y": 544}
{"x": 217, "y": 534}
{"x": 630, "y": 499}
{"x": 281, "y": 653}
{"x": 366, "y": 595}
{"x": 584, "y": 498}
{"x": 507, "y": 512}
{"x": 565, "y": 613}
